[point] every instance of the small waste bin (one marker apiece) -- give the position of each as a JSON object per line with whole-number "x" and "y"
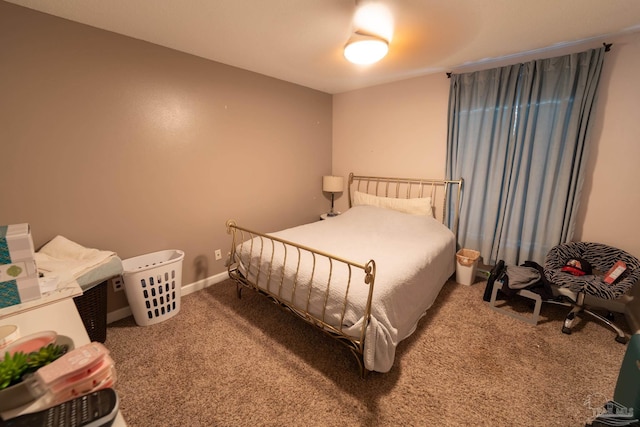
{"x": 466, "y": 266}
{"x": 152, "y": 284}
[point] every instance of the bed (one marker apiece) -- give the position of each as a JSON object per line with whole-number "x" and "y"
{"x": 365, "y": 277}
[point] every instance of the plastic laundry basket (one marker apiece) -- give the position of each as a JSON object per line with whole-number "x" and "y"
{"x": 152, "y": 283}
{"x": 466, "y": 266}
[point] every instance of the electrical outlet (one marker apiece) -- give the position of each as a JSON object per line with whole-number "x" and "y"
{"x": 218, "y": 254}
{"x": 117, "y": 283}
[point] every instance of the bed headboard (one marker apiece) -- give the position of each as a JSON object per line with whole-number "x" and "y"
{"x": 440, "y": 191}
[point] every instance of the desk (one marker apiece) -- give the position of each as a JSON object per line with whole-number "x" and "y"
{"x": 60, "y": 316}
{"x": 326, "y": 216}
{"x": 66, "y": 289}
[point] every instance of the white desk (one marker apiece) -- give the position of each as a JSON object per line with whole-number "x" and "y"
{"x": 63, "y": 318}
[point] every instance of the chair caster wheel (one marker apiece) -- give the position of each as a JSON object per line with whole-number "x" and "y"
{"x": 622, "y": 340}
{"x": 566, "y": 330}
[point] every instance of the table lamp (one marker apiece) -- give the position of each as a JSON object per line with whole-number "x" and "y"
{"x": 332, "y": 184}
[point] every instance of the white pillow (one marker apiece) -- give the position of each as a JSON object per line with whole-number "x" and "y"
{"x": 417, "y": 206}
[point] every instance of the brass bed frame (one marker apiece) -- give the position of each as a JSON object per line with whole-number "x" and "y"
{"x": 441, "y": 191}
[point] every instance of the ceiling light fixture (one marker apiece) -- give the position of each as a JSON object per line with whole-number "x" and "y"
{"x": 365, "y": 49}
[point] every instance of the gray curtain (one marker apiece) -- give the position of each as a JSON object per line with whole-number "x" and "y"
{"x": 518, "y": 135}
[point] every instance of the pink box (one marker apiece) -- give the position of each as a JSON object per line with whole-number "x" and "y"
{"x": 614, "y": 272}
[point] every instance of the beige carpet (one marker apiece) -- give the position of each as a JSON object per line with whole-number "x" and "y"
{"x": 224, "y": 361}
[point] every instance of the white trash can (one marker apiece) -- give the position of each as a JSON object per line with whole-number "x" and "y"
{"x": 152, "y": 283}
{"x": 466, "y": 266}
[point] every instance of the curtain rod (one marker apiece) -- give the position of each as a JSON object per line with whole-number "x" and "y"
{"x": 607, "y": 48}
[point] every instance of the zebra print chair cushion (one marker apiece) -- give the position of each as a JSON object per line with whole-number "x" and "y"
{"x": 601, "y": 257}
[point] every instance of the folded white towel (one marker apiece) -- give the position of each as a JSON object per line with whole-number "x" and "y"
{"x": 63, "y": 257}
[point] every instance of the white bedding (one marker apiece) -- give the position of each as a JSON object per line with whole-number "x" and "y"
{"x": 414, "y": 257}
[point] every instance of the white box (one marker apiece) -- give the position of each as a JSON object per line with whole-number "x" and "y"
{"x": 17, "y": 291}
{"x": 18, "y": 270}
{"x": 16, "y": 243}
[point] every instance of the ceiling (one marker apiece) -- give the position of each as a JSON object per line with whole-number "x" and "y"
{"x": 301, "y": 41}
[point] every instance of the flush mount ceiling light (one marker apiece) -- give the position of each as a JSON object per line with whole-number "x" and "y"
{"x": 373, "y": 26}
{"x": 365, "y": 49}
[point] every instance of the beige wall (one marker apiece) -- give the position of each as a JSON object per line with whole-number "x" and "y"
{"x": 400, "y": 129}
{"x": 611, "y": 199}
{"x": 123, "y": 145}
{"x": 396, "y": 130}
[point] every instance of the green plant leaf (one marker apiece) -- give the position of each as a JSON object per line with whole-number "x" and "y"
{"x": 13, "y": 367}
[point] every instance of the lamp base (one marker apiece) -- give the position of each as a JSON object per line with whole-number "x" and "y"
{"x": 332, "y": 213}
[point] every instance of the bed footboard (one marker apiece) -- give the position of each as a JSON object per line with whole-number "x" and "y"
{"x": 317, "y": 287}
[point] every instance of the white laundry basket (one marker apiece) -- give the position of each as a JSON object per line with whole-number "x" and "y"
{"x": 152, "y": 283}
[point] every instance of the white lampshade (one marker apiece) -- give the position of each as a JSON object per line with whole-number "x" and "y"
{"x": 365, "y": 49}
{"x": 332, "y": 184}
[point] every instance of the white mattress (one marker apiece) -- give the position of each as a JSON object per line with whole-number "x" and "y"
{"x": 414, "y": 257}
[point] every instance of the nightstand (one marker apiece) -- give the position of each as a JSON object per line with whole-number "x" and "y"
{"x": 326, "y": 216}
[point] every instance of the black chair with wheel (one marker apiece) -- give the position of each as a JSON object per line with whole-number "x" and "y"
{"x": 571, "y": 287}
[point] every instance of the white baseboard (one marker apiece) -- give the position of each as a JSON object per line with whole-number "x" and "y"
{"x": 204, "y": 283}
{"x": 116, "y": 315}
{"x": 185, "y": 290}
